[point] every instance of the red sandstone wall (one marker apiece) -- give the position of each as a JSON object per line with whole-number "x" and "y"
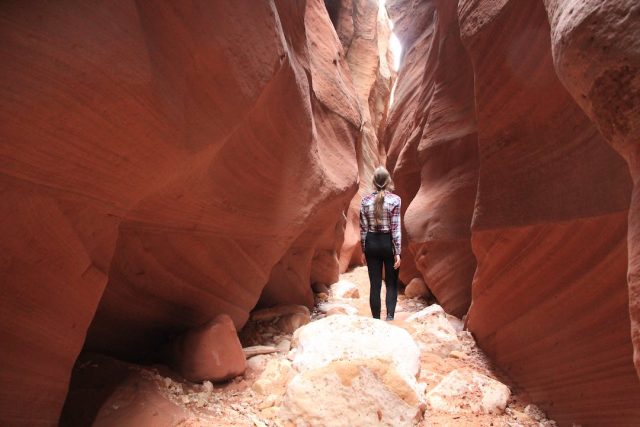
{"x": 556, "y": 285}
{"x": 432, "y": 142}
{"x": 161, "y": 163}
{"x": 550, "y": 297}
{"x": 596, "y": 51}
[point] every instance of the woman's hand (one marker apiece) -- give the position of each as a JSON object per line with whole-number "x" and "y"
{"x": 396, "y": 264}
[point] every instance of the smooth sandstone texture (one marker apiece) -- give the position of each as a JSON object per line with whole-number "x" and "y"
{"x": 550, "y": 297}
{"x": 596, "y": 53}
{"x": 432, "y": 142}
{"x": 161, "y": 163}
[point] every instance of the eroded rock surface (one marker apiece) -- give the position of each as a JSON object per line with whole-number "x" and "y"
{"x": 550, "y": 295}
{"x": 596, "y": 52}
{"x": 163, "y": 163}
{"x": 432, "y": 143}
{"x": 545, "y": 89}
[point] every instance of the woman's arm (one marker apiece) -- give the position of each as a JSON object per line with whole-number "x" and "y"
{"x": 396, "y": 230}
{"x": 363, "y": 227}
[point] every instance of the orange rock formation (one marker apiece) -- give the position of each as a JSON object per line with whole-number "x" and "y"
{"x": 432, "y": 142}
{"x": 549, "y": 87}
{"x": 162, "y": 163}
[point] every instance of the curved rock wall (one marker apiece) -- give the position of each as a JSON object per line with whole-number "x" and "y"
{"x": 555, "y": 289}
{"x": 161, "y": 163}
{"x": 596, "y": 51}
{"x": 550, "y": 299}
{"x": 432, "y": 142}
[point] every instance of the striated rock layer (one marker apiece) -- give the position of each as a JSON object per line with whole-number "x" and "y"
{"x": 596, "y": 52}
{"x": 363, "y": 29}
{"x": 161, "y": 163}
{"x": 550, "y": 297}
{"x": 432, "y": 143}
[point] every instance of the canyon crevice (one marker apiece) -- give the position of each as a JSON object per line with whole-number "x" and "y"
{"x": 164, "y": 164}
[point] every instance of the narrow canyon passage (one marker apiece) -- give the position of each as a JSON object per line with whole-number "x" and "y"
{"x": 181, "y": 185}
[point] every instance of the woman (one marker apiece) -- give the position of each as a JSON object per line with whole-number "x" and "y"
{"x": 380, "y": 239}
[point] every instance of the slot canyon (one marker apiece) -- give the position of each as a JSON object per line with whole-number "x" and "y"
{"x": 180, "y": 213}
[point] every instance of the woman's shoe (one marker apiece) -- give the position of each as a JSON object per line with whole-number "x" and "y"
{"x": 389, "y": 318}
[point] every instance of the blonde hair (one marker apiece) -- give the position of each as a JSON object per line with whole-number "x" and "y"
{"x": 382, "y": 182}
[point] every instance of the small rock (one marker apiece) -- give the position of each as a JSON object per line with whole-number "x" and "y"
{"x": 467, "y": 391}
{"x": 457, "y": 355}
{"x": 274, "y": 377}
{"x": 330, "y": 308}
{"x": 256, "y": 350}
{"x": 535, "y": 412}
{"x": 290, "y": 322}
{"x": 271, "y": 313}
{"x": 322, "y": 296}
{"x": 284, "y": 346}
{"x": 416, "y": 288}
{"x": 258, "y": 362}
{"x": 270, "y": 412}
{"x": 268, "y": 402}
{"x": 320, "y": 288}
{"x": 345, "y": 289}
{"x": 457, "y": 324}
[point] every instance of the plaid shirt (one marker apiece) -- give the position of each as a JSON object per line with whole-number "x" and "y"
{"x": 390, "y": 222}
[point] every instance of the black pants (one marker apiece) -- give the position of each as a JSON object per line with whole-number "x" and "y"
{"x": 378, "y": 252}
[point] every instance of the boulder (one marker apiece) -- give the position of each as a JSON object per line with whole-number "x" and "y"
{"x": 342, "y": 336}
{"x": 433, "y": 331}
{"x": 211, "y": 352}
{"x": 353, "y": 371}
{"x": 141, "y": 402}
{"x": 464, "y": 391}
{"x": 352, "y": 393}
